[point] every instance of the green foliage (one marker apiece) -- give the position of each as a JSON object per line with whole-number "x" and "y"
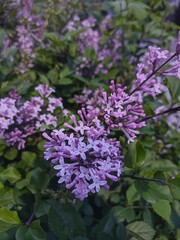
{"x": 153, "y": 192}
{"x": 11, "y": 154}
{"x": 65, "y": 221}
{"x": 32, "y": 232}
{"x": 10, "y": 174}
{"x": 141, "y": 230}
{"x": 144, "y": 203}
{"x": 136, "y": 155}
{"x": 8, "y": 219}
{"x": 163, "y": 209}
{"x": 174, "y": 186}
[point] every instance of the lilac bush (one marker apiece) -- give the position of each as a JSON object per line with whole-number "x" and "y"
{"x": 106, "y": 50}
{"x": 29, "y": 32}
{"x": 20, "y": 119}
{"x": 69, "y": 133}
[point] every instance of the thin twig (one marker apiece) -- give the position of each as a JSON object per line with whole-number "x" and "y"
{"x": 30, "y": 219}
{"x": 170, "y": 110}
{"x": 154, "y": 72}
{"x": 144, "y": 179}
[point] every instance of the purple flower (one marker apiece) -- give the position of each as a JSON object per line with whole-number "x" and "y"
{"x": 83, "y": 156}
{"x": 44, "y": 90}
{"x": 20, "y": 119}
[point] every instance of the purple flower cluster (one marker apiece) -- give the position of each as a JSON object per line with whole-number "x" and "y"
{"x": 84, "y": 157}
{"x": 149, "y": 63}
{"x": 82, "y": 153}
{"x": 29, "y": 30}
{"x": 91, "y": 36}
{"x": 122, "y": 111}
{"x": 118, "y": 110}
{"x": 20, "y": 119}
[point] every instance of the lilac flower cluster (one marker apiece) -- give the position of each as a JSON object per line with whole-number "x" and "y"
{"x": 122, "y": 111}
{"x": 90, "y": 99}
{"x": 91, "y": 36}
{"x": 20, "y": 119}
{"x": 118, "y": 110}
{"x": 29, "y": 30}
{"x": 149, "y": 63}
{"x": 82, "y": 153}
{"x": 84, "y": 157}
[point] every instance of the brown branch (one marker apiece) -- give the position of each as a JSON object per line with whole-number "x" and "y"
{"x": 144, "y": 179}
{"x": 170, "y": 110}
{"x": 154, "y": 72}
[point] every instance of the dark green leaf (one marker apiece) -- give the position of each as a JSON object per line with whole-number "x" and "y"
{"x": 163, "y": 209}
{"x": 174, "y": 86}
{"x": 174, "y": 186}
{"x": 123, "y": 213}
{"x": 132, "y": 194}
{"x": 65, "y": 221}
{"x": 37, "y": 179}
{"x": 41, "y": 207}
{"x": 136, "y": 155}
{"x": 141, "y": 230}
{"x": 32, "y": 232}
{"x": 153, "y": 192}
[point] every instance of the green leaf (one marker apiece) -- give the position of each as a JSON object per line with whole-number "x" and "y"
{"x": 104, "y": 236}
{"x": 22, "y": 183}
{"x": 112, "y": 73}
{"x": 72, "y": 49}
{"x": 136, "y": 155}
{"x": 141, "y": 230}
{"x": 121, "y": 233}
{"x": 27, "y": 160}
{"x": 10, "y": 174}
{"x": 153, "y": 192}
{"x": 41, "y": 207}
{"x": 53, "y": 75}
{"x": 122, "y": 213}
{"x": 37, "y": 179}
{"x": 65, "y": 81}
{"x": 90, "y": 53}
{"x": 115, "y": 198}
{"x": 11, "y": 154}
{"x": 65, "y": 221}
{"x": 174, "y": 186}
{"x": 174, "y": 86}
{"x": 163, "y": 209}
{"x": 6, "y": 197}
{"x": 106, "y": 225}
{"x": 138, "y": 9}
{"x": 132, "y": 194}
{"x": 65, "y": 72}
{"x": 8, "y": 219}
{"x": 32, "y": 232}
{"x": 28, "y": 156}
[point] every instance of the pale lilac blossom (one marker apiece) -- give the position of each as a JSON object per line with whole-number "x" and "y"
{"x": 20, "y": 119}
{"x": 83, "y": 156}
